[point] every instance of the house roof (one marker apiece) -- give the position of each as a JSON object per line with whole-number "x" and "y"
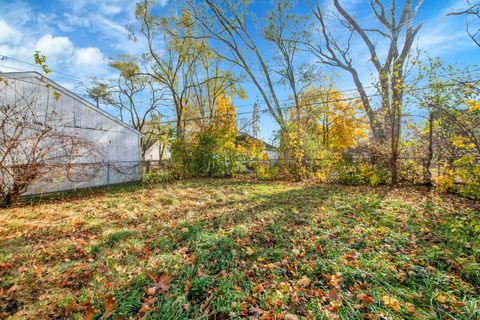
{"x": 244, "y": 136}
{"x": 56, "y": 86}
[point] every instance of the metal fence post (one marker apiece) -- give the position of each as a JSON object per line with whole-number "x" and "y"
{"x": 108, "y": 174}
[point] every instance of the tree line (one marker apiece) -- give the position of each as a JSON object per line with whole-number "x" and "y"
{"x": 207, "y": 50}
{"x": 410, "y": 118}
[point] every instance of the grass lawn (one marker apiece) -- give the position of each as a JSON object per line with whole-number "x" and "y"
{"x": 221, "y": 249}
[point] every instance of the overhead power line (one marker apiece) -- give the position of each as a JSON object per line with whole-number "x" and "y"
{"x": 291, "y": 99}
{"x": 312, "y": 103}
{"x": 61, "y": 73}
{"x": 286, "y": 100}
{"x": 6, "y": 58}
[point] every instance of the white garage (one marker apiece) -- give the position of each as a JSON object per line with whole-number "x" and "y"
{"x": 118, "y": 158}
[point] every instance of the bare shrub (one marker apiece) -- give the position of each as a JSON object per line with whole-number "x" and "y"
{"x": 35, "y": 145}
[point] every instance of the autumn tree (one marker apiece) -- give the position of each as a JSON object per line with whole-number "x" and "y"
{"x": 393, "y": 29}
{"x": 231, "y": 29}
{"x": 135, "y": 96}
{"x": 101, "y": 92}
{"x": 210, "y": 151}
{"x": 330, "y": 123}
{"x": 339, "y": 121}
{"x": 181, "y": 63}
{"x": 451, "y": 98}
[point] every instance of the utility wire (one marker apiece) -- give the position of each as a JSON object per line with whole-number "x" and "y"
{"x": 6, "y": 58}
{"x": 280, "y": 100}
{"x": 285, "y": 100}
{"x": 310, "y": 104}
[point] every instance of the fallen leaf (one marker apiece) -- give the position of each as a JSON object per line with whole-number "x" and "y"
{"x": 151, "y": 290}
{"x": 89, "y": 313}
{"x": 365, "y": 298}
{"x": 110, "y": 304}
{"x": 391, "y": 303}
{"x": 333, "y": 294}
{"x": 164, "y": 283}
{"x": 319, "y": 248}
{"x": 12, "y": 289}
{"x": 187, "y": 286}
{"x": 441, "y": 298}
{"x": 410, "y": 307}
{"x": 258, "y": 288}
{"x": 290, "y": 316}
{"x": 250, "y": 251}
{"x": 304, "y": 282}
{"x": 147, "y": 305}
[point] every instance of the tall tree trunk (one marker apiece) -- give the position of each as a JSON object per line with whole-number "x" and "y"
{"x": 428, "y": 160}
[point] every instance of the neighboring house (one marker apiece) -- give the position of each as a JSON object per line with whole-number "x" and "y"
{"x": 271, "y": 150}
{"x": 157, "y": 151}
{"x": 118, "y": 143}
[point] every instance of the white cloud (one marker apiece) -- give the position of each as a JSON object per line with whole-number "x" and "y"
{"x": 68, "y": 62}
{"x": 89, "y": 57}
{"x": 55, "y": 47}
{"x": 70, "y": 23}
{"x": 8, "y": 34}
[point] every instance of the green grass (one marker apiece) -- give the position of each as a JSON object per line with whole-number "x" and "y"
{"x": 241, "y": 249}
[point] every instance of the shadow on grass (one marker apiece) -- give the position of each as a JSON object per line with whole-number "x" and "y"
{"x": 214, "y": 250}
{"x": 269, "y": 220}
{"x": 80, "y": 194}
{"x": 129, "y": 187}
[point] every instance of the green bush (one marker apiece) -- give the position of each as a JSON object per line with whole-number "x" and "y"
{"x": 157, "y": 178}
{"x": 362, "y": 174}
{"x": 207, "y": 157}
{"x": 470, "y": 175}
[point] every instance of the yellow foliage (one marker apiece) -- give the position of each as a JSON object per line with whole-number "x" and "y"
{"x": 445, "y": 182}
{"x": 225, "y": 122}
{"x": 340, "y": 123}
{"x": 473, "y": 105}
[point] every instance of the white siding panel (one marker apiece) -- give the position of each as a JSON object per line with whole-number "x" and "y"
{"x": 118, "y": 144}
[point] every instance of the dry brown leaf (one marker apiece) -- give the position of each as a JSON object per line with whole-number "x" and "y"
{"x": 236, "y": 288}
{"x": 151, "y": 291}
{"x": 187, "y": 286}
{"x": 333, "y": 294}
{"x": 365, "y": 298}
{"x": 258, "y": 288}
{"x": 164, "y": 283}
{"x": 319, "y": 248}
{"x": 89, "y": 313}
{"x": 304, "y": 282}
{"x": 110, "y": 304}
{"x": 147, "y": 305}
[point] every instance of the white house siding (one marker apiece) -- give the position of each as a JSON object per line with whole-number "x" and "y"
{"x": 272, "y": 155}
{"x": 118, "y": 143}
{"x": 153, "y": 153}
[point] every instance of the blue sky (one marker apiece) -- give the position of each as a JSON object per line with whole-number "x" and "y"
{"x": 78, "y": 37}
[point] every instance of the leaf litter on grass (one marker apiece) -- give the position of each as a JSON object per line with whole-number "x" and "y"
{"x": 268, "y": 250}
